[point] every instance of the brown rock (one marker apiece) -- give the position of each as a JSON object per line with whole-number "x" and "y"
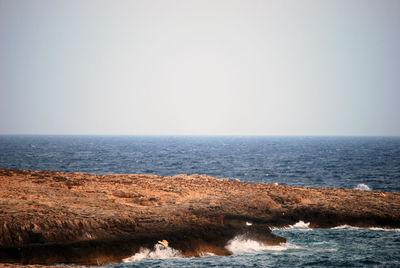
{"x": 46, "y": 216}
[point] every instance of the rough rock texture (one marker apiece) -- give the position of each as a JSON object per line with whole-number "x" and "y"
{"x": 51, "y": 217}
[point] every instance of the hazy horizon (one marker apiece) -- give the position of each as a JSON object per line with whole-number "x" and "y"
{"x": 200, "y": 68}
{"x": 207, "y": 135}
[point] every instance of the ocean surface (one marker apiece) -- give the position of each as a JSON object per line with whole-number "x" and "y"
{"x": 365, "y": 163}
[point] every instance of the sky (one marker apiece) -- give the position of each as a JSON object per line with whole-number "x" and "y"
{"x": 188, "y": 67}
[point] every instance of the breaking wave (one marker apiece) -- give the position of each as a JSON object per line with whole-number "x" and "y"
{"x": 236, "y": 246}
{"x": 344, "y": 227}
{"x": 242, "y": 245}
{"x": 349, "y": 227}
{"x": 159, "y": 252}
{"x": 362, "y": 187}
{"x": 300, "y": 225}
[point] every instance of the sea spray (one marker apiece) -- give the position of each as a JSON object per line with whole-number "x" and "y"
{"x": 159, "y": 252}
{"x": 349, "y": 227}
{"x": 300, "y": 225}
{"x": 345, "y": 226}
{"x": 241, "y": 245}
{"x": 362, "y": 187}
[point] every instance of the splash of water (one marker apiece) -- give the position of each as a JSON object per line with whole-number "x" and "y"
{"x": 384, "y": 229}
{"x": 241, "y": 245}
{"x": 159, "y": 252}
{"x": 300, "y": 224}
{"x": 349, "y": 227}
{"x": 362, "y": 187}
{"x": 345, "y": 226}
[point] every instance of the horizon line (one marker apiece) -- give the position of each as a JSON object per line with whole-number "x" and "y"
{"x": 201, "y": 135}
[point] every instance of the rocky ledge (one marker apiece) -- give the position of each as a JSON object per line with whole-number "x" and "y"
{"x": 49, "y": 217}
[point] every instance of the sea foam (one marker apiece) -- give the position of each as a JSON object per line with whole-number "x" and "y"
{"x": 159, "y": 252}
{"x": 362, "y": 187}
{"x": 237, "y": 245}
{"x": 300, "y": 224}
{"x": 345, "y": 226}
{"x": 349, "y": 227}
{"x": 241, "y": 245}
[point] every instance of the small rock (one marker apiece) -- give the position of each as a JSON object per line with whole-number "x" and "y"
{"x": 164, "y": 243}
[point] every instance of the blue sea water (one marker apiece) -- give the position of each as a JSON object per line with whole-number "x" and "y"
{"x": 339, "y": 162}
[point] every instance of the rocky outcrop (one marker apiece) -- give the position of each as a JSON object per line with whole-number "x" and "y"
{"x": 51, "y": 217}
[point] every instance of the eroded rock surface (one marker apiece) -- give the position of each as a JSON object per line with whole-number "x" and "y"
{"x": 51, "y": 217}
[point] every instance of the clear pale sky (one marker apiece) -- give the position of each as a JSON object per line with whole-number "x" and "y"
{"x": 200, "y": 67}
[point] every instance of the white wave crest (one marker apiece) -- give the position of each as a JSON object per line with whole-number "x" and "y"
{"x": 349, "y": 227}
{"x": 384, "y": 229}
{"x": 362, "y": 187}
{"x": 242, "y": 245}
{"x": 344, "y": 227}
{"x": 300, "y": 225}
{"x": 159, "y": 252}
{"x": 207, "y": 254}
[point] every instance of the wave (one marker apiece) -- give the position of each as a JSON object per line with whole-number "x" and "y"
{"x": 349, "y": 227}
{"x": 384, "y": 229}
{"x": 159, "y": 252}
{"x": 362, "y": 187}
{"x": 242, "y": 245}
{"x": 345, "y": 226}
{"x": 304, "y": 226}
{"x": 236, "y": 245}
{"x": 300, "y": 225}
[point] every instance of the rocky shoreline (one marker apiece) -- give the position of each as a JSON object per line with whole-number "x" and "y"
{"x": 49, "y": 217}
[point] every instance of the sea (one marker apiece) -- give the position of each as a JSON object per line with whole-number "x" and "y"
{"x": 363, "y": 163}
